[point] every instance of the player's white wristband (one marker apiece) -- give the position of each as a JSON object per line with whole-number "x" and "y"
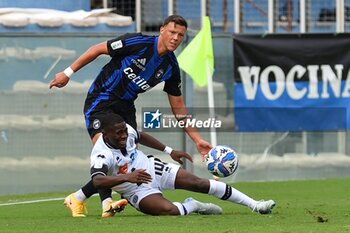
{"x": 168, "y": 150}
{"x": 68, "y": 72}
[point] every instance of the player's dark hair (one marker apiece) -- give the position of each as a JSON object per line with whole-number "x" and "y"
{"x": 110, "y": 119}
{"x": 177, "y": 19}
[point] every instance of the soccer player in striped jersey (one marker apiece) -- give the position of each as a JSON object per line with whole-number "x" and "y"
{"x": 138, "y": 63}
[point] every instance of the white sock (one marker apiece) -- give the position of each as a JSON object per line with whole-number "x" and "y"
{"x": 226, "y": 192}
{"x": 181, "y": 208}
{"x": 80, "y": 196}
{"x": 106, "y": 201}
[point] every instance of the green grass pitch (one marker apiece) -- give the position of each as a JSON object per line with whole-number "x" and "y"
{"x": 302, "y": 206}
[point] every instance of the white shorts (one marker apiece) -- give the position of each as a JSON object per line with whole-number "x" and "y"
{"x": 163, "y": 178}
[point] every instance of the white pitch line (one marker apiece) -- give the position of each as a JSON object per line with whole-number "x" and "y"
{"x": 37, "y": 201}
{"x": 33, "y": 201}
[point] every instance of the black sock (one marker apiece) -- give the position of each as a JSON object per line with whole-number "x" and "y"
{"x": 89, "y": 189}
{"x": 105, "y": 193}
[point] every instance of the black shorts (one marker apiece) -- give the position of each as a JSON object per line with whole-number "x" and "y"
{"x": 125, "y": 109}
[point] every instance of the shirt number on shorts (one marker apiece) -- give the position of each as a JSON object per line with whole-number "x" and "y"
{"x": 159, "y": 167}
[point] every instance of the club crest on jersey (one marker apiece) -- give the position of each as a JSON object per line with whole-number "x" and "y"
{"x": 96, "y": 124}
{"x": 159, "y": 73}
{"x": 116, "y": 44}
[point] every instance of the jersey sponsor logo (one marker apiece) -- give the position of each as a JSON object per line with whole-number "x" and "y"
{"x": 123, "y": 169}
{"x": 96, "y": 124}
{"x": 140, "y": 63}
{"x": 133, "y": 156}
{"x": 159, "y": 73}
{"x": 140, "y": 82}
{"x": 117, "y": 44}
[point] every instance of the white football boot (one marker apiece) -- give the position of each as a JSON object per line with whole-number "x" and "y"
{"x": 264, "y": 207}
{"x": 204, "y": 208}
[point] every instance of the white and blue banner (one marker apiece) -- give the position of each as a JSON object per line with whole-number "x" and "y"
{"x": 292, "y": 82}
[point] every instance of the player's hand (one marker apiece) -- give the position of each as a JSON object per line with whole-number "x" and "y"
{"x": 203, "y": 147}
{"x": 139, "y": 176}
{"x": 178, "y": 155}
{"x": 59, "y": 81}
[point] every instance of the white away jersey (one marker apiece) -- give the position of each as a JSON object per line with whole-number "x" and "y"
{"x": 118, "y": 162}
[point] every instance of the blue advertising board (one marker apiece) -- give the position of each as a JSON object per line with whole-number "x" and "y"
{"x": 292, "y": 82}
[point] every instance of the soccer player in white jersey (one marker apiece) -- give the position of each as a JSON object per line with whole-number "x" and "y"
{"x": 116, "y": 163}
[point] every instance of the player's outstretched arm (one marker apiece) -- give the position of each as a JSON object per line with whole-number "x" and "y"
{"x": 148, "y": 140}
{"x": 62, "y": 78}
{"x": 138, "y": 176}
{"x": 180, "y": 112}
